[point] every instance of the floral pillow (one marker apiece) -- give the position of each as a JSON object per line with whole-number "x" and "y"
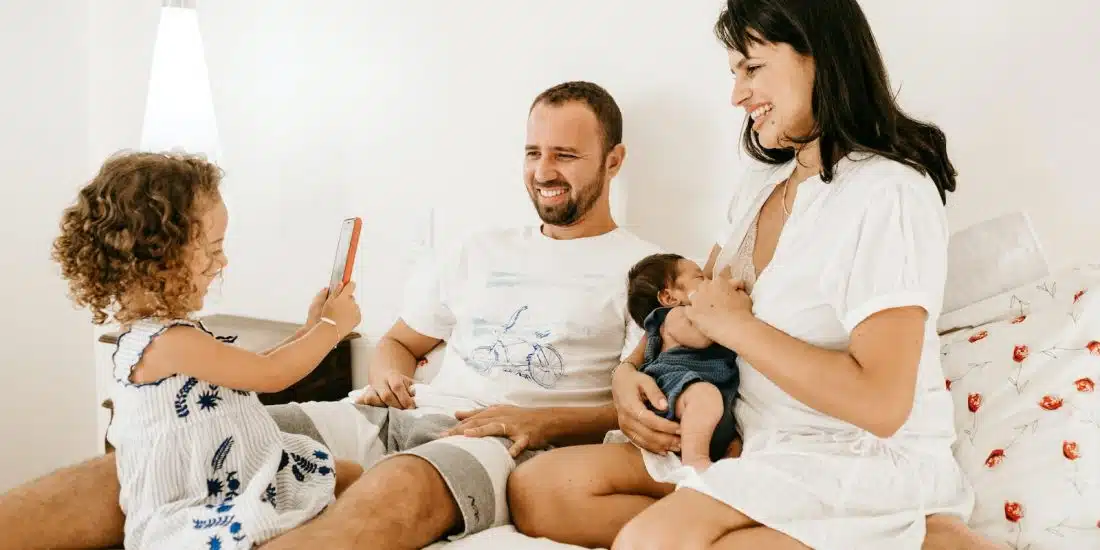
{"x": 1027, "y": 413}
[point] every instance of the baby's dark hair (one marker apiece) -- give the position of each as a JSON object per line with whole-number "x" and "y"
{"x": 646, "y": 280}
{"x": 124, "y": 244}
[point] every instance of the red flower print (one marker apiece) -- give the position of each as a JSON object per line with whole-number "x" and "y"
{"x": 995, "y": 458}
{"x": 1051, "y": 403}
{"x": 1019, "y": 319}
{"x": 1085, "y": 385}
{"x": 1014, "y": 512}
{"x": 1078, "y": 296}
{"x": 1019, "y": 353}
{"x": 974, "y": 402}
{"x": 980, "y": 335}
{"x": 1069, "y": 450}
{"x": 1093, "y": 347}
{"x": 948, "y": 381}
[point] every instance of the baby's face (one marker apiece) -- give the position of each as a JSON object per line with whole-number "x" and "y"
{"x": 688, "y": 277}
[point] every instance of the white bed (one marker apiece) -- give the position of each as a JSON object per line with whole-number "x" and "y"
{"x": 984, "y": 261}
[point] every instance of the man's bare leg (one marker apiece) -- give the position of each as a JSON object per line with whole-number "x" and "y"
{"x": 582, "y": 495}
{"x": 950, "y": 533}
{"x": 400, "y": 503}
{"x": 75, "y": 507}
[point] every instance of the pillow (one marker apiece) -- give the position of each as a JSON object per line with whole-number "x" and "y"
{"x": 989, "y": 258}
{"x": 1027, "y": 412}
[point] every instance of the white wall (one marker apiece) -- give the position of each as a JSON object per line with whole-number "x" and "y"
{"x": 1014, "y": 85}
{"x": 46, "y": 411}
{"x": 388, "y": 110}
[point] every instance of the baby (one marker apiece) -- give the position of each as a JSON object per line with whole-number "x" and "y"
{"x": 698, "y": 377}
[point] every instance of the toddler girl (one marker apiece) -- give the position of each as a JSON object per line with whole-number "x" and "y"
{"x": 698, "y": 377}
{"x": 200, "y": 462}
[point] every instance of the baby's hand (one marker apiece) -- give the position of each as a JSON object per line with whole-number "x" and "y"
{"x": 681, "y": 329}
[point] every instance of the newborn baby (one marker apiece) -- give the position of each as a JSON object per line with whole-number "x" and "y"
{"x": 698, "y": 377}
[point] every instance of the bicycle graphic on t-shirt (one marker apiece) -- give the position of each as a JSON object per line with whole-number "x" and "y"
{"x": 515, "y": 354}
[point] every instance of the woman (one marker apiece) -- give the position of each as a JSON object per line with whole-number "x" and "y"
{"x": 837, "y": 246}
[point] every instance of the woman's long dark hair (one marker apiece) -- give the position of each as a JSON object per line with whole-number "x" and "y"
{"x": 853, "y": 107}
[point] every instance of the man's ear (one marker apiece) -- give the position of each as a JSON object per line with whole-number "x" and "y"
{"x": 614, "y": 160}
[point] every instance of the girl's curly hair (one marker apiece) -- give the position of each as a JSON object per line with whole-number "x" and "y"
{"x": 125, "y": 245}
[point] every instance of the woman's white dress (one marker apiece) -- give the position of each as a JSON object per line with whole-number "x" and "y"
{"x": 872, "y": 239}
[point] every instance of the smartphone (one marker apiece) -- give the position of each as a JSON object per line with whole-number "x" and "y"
{"x": 344, "y": 264}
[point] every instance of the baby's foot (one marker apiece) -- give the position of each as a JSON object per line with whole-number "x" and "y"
{"x": 700, "y": 463}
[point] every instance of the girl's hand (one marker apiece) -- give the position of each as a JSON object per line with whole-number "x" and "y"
{"x": 342, "y": 309}
{"x": 631, "y": 390}
{"x": 316, "y": 307}
{"x": 718, "y": 302}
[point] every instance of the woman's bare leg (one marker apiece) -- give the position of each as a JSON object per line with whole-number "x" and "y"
{"x": 950, "y": 533}
{"x": 758, "y": 538}
{"x": 582, "y": 495}
{"x": 75, "y": 507}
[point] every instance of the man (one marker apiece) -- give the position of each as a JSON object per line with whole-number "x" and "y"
{"x": 535, "y": 319}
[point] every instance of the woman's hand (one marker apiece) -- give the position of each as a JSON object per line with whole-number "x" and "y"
{"x": 631, "y": 390}
{"x": 717, "y": 302}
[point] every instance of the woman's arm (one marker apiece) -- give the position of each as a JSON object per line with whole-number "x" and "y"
{"x": 870, "y": 385}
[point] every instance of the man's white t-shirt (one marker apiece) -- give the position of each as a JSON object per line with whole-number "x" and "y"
{"x": 528, "y": 320}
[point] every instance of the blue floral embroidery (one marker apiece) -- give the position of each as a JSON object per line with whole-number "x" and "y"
{"x": 269, "y": 496}
{"x": 214, "y": 487}
{"x": 222, "y": 453}
{"x": 233, "y": 484}
{"x": 220, "y": 521}
{"x": 209, "y": 400}
{"x": 181, "y": 397}
{"x": 214, "y": 543}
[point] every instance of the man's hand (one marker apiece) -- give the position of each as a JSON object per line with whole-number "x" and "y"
{"x": 632, "y": 390}
{"x": 527, "y": 428}
{"x": 392, "y": 389}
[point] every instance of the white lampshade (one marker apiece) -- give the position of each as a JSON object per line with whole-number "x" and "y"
{"x": 179, "y": 109}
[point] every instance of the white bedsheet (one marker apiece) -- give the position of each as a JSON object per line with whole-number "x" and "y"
{"x": 501, "y": 538}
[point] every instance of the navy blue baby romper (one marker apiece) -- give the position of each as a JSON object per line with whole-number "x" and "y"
{"x": 674, "y": 370}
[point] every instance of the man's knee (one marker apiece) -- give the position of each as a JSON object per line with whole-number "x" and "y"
{"x": 410, "y": 487}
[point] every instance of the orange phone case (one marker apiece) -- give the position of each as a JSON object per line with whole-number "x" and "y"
{"x": 349, "y": 265}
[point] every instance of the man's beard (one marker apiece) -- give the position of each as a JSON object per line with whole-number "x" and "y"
{"x": 575, "y": 208}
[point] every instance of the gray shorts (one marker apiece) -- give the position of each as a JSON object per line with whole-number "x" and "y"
{"x": 475, "y": 470}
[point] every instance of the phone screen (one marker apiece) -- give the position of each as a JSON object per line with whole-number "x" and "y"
{"x": 343, "y": 247}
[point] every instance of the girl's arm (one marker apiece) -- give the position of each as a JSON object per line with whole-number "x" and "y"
{"x": 302, "y": 330}
{"x": 871, "y": 384}
{"x": 190, "y": 351}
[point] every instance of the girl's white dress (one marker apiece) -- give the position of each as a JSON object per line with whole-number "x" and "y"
{"x": 872, "y": 239}
{"x": 205, "y": 467}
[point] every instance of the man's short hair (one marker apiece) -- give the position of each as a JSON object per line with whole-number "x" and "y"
{"x": 597, "y": 99}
